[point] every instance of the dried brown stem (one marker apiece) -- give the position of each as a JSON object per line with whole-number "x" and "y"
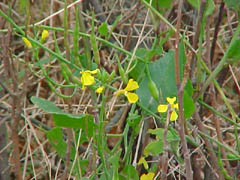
{"x": 189, "y": 173}
{"x": 16, "y": 109}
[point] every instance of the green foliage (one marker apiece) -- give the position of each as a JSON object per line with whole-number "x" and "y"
{"x": 103, "y": 29}
{"x": 55, "y": 137}
{"x": 234, "y": 53}
{"x": 160, "y": 4}
{"x": 162, "y": 73}
{"x": 188, "y": 103}
{"x": 156, "y": 147}
{"x": 63, "y": 119}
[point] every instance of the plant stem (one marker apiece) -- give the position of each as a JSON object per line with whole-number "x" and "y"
{"x": 189, "y": 172}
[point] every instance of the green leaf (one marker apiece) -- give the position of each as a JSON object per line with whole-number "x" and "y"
{"x": 156, "y": 147}
{"x": 188, "y": 103}
{"x": 72, "y": 121}
{"x": 157, "y": 4}
{"x": 162, "y": 73}
{"x": 63, "y": 119}
{"x": 103, "y": 29}
{"x": 45, "y": 105}
{"x": 55, "y": 137}
{"x": 210, "y": 7}
{"x": 234, "y": 53}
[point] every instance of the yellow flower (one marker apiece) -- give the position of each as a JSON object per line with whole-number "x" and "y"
{"x": 148, "y": 176}
{"x": 27, "y": 42}
{"x": 87, "y": 79}
{"x": 100, "y": 89}
{"x": 164, "y": 108}
{"x": 131, "y": 86}
{"x": 44, "y": 35}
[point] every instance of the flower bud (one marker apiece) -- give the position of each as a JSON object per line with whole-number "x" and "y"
{"x": 153, "y": 89}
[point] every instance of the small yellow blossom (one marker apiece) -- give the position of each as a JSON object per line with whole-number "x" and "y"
{"x": 131, "y": 86}
{"x": 27, "y": 42}
{"x": 100, "y": 89}
{"x": 44, "y": 35}
{"x": 174, "y": 107}
{"x": 148, "y": 176}
{"x": 87, "y": 79}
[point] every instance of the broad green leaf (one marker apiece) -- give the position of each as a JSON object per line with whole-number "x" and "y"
{"x": 154, "y": 148}
{"x": 74, "y": 121}
{"x": 63, "y": 119}
{"x": 103, "y": 29}
{"x": 55, "y": 137}
{"x": 162, "y": 73}
{"x": 45, "y": 105}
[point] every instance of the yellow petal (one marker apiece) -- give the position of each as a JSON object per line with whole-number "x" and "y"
{"x": 173, "y": 116}
{"x": 120, "y": 92}
{"x": 132, "y": 97}
{"x": 162, "y": 108}
{"x": 144, "y": 162}
{"x": 176, "y": 106}
{"x": 99, "y": 90}
{"x": 148, "y": 176}
{"x": 171, "y": 100}
{"x": 132, "y": 85}
{"x": 27, "y": 42}
{"x": 44, "y": 34}
{"x": 87, "y": 79}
